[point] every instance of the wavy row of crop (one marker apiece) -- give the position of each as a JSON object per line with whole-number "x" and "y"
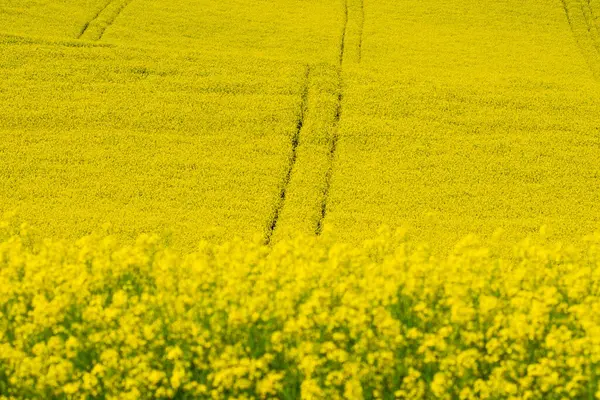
{"x": 306, "y": 32}
{"x": 56, "y": 18}
{"x": 181, "y": 142}
{"x": 12, "y": 39}
{"x": 447, "y": 161}
{"x": 471, "y": 41}
{"x": 221, "y": 111}
{"x": 304, "y": 319}
{"x": 454, "y": 125}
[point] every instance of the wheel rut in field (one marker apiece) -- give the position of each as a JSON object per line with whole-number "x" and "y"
{"x": 305, "y": 198}
{"x": 336, "y": 121}
{"x": 87, "y": 24}
{"x": 344, "y": 34}
{"x": 292, "y": 159}
{"x": 95, "y": 28}
{"x": 585, "y": 27}
{"x": 361, "y": 29}
{"x": 332, "y": 151}
{"x": 354, "y": 23}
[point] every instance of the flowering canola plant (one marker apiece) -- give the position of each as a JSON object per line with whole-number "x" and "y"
{"x": 209, "y": 119}
{"x": 281, "y": 118}
{"x": 307, "y": 318}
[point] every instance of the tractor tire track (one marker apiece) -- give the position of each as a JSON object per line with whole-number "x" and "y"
{"x": 361, "y": 28}
{"x": 95, "y": 29}
{"x": 585, "y": 32}
{"x": 344, "y": 34}
{"x": 87, "y": 24}
{"x": 304, "y": 201}
{"x": 333, "y": 145}
{"x": 292, "y": 160}
{"x": 332, "y": 152}
{"x": 588, "y": 14}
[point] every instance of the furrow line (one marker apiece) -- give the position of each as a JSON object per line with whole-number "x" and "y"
{"x": 292, "y": 161}
{"x": 332, "y": 151}
{"x": 344, "y": 31}
{"x": 360, "y": 29}
{"x": 87, "y": 24}
{"x": 588, "y": 14}
{"x": 335, "y": 132}
{"x": 567, "y": 14}
{"x": 95, "y": 29}
{"x": 583, "y": 29}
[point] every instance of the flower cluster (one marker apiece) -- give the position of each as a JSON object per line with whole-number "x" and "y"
{"x": 308, "y": 318}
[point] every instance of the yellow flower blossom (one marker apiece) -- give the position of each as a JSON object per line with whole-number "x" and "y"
{"x": 140, "y": 322}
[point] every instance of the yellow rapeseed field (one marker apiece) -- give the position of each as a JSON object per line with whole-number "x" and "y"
{"x": 206, "y": 186}
{"x": 210, "y": 120}
{"x": 307, "y": 318}
{"x": 187, "y": 145}
{"x": 467, "y": 116}
{"x": 56, "y": 18}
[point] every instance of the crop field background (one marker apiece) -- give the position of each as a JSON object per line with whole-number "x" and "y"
{"x": 279, "y": 143}
{"x": 209, "y": 120}
{"x": 160, "y": 143}
{"x": 468, "y": 117}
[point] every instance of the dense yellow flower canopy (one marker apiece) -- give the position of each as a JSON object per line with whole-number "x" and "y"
{"x": 281, "y": 135}
{"x": 206, "y": 120}
{"x": 306, "y": 318}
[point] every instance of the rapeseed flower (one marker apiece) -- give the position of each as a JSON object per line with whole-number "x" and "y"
{"x": 306, "y": 318}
